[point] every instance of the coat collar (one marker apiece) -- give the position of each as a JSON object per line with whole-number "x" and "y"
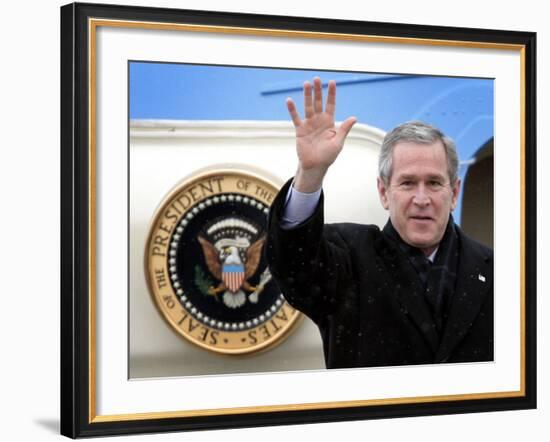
{"x": 474, "y": 282}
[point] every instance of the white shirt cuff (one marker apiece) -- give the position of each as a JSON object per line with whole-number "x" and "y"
{"x": 299, "y": 207}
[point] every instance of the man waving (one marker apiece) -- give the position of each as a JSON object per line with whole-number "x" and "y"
{"x": 417, "y": 291}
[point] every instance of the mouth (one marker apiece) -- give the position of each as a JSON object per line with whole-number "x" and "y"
{"x": 421, "y": 218}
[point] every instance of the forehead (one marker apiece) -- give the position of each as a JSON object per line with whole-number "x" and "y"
{"x": 410, "y": 158}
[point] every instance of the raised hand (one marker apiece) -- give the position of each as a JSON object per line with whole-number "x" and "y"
{"x": 318, "y": 141}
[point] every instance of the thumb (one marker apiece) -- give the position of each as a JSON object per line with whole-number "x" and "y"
{"x": 345, "y": 127}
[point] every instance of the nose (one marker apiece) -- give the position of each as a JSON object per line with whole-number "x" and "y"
{"x": 421, "y": 197}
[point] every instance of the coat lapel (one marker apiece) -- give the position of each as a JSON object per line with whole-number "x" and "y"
{"x": 474, "y": 281}
{"x": 408, "y": 290}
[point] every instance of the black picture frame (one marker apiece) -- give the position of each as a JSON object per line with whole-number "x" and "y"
{"x": 78, "y": 418}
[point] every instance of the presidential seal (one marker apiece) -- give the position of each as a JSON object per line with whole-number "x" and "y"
{"x": 205, "y": 268}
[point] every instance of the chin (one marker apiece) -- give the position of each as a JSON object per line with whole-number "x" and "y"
{"x": 422, "y": 242}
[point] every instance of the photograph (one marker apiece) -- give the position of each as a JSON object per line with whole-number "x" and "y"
{"x": 177, "y": 115}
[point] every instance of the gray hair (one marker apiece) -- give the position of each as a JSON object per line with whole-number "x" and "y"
{"x": 416, "y": 132}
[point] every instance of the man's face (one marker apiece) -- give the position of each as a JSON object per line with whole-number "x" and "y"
{"x": 419, "y": 195}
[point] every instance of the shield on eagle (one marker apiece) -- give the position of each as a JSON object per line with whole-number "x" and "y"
{"x": 233, "y": 276}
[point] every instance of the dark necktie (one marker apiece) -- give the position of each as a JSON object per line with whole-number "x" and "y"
{"x": 423, "y": 266}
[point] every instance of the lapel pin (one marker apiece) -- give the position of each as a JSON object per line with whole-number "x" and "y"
{"x": 481, "y": 278}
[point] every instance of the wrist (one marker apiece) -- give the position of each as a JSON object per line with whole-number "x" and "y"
{"x": 308, "y": 180}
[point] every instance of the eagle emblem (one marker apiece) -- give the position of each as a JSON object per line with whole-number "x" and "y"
{"x": 233, "y": 260}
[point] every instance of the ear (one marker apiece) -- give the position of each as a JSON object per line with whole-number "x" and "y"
{"x": 382, "y": 193}
{"x": 456, "y": 191}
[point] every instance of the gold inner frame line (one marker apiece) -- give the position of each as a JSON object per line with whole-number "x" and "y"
{"x": 93, "y": 24}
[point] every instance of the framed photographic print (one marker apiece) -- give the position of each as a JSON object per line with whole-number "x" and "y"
{"x": 175, "y": 142}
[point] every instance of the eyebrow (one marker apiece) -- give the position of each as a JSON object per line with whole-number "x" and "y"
{"x": 415, "y": 177}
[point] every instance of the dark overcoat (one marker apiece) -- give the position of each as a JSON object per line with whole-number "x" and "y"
{"x": 367, "y": 300}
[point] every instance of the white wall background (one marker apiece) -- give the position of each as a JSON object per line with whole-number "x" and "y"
{"x": 29, "y": 225}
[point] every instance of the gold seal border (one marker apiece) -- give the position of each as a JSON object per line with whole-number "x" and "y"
{"x": 268, "y": 334}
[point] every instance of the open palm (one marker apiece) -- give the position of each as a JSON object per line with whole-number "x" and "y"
{"x": 318, "y": 141}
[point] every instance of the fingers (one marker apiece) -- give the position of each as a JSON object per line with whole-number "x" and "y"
{"x": 293, "y": 112}
{"x": 331, "y": 98}
{"x": 313, "y": 101}
{"x": 318, "y": 95}
{"x": 313, "y": 97}
{"x": 308, "y": 100}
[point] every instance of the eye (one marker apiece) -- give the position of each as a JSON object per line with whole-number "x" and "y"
{"x": 435, "y": 183}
